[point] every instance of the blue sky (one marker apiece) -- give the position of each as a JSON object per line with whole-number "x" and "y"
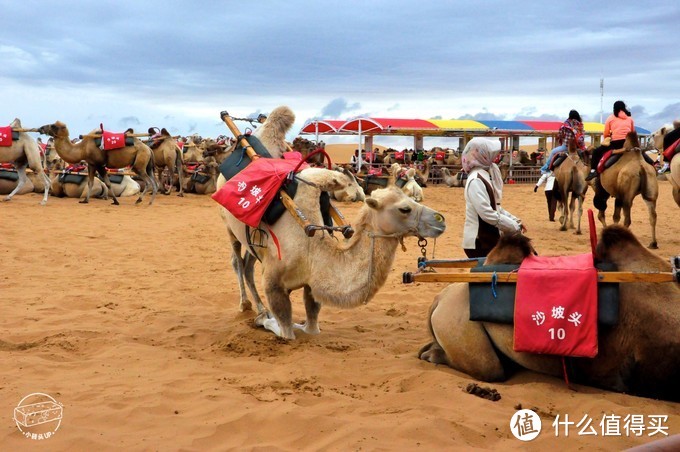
{"x": 178, "y": 64}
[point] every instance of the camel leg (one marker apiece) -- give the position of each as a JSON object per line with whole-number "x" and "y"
{"x": 249, "y": 267}
{"x": 579, "y": 212}
{"x": 651, "y": 208}
{"x": 237, "y": 264}
{"x": 178, "y": 168}
{"x": 279, "y": 302}
{"x": 47, "y": 182}
{"x": 23, "y": 178}
{"x": 564, "y": 211}
{"x": 90, "y": 181}
{"x": 105, "y": 176}
{"x": 312, "y": 307}
{"x": 459, "y": 342}
{"x": 572, "y": 207}
{"x": 617, "y": 212}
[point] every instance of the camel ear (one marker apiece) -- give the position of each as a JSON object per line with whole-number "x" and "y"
{"x": 373, "y": 203}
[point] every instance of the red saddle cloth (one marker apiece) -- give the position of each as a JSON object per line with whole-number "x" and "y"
{"x": 399, "y": 155}
{"x": 671, "y": 150}
{"x": 180, "y": 145}
{"x": 556, "y": 306}
{"x": 5, "y": 136}
{"x": 439, "y": 155}
{"x": 292, "y": 155}
{"x": 375, "y": 171}
{"x": 248, "y": 194}
{"x": 112, "y": 140}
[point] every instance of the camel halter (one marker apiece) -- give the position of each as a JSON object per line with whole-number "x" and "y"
{"x": 397, "y": 235}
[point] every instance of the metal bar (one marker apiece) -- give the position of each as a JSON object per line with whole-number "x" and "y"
{"x": 503, "y": 277}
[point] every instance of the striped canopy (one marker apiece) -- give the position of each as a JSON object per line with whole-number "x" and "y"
{"x": 444, "y": 127}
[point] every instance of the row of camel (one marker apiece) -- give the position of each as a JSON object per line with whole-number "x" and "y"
{"x": 348, "y": 273}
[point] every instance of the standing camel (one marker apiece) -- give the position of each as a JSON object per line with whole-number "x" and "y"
{"x": 138, "y": 156}
{"x": 639, "y": 356}
{"x": 166, "y": 154}
{"x": 659, "y": 138}
{"x": 570, "y": 177}
{"x": 23, "y": 153}
{"x": 624, "y": 180}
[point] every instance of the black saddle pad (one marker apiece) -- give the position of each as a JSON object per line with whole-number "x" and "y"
{"x": 115, "y": 178}
{"x": 501, "y": 309}
{"x": 15, "y": 135}
{"x": 67, "y": 178}
{"x": 200, "y": 177}
{"x": 9, "y": 175}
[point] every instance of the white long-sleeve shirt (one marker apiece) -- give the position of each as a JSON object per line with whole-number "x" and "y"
{"x": 478, "y": 205}
{"x": 549, "y": 179}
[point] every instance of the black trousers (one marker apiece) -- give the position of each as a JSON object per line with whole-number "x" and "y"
{"x": 599, "y": 151}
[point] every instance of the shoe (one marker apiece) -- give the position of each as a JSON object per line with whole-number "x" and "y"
{"x": 592, "y": 175}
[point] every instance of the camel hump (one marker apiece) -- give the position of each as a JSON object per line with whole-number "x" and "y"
{"x": 153, "y": 130}
{"x": 165, "y": 132}
{"x": 129, "y": 130}
{"x": 632, "y": 140}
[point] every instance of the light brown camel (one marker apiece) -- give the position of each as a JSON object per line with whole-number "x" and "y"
{"x": 624, "y": 180}
{"x": 204, "y": 179}
{"x": 456, "y": 180}
{"x": 345, "y": 274}
{"x": 352, "y": 192}
{"x": 674, "y": 177}
{"x": 166, "y": 155}
{"x": 411, "y": 187}
{"x": 192, "y": 152}
{"x": 422, "y": 176}
{"x": 570, "y": 178}
{"x": 24, "y": 153}
{"x": 9, "y": 179}
{"x": 138, "y": 157}
{"x": 640, "y": 355}
{"x": 76, "y": 186}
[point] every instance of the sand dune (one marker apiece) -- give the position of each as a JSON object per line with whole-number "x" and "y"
{"x": 129, "y": 317}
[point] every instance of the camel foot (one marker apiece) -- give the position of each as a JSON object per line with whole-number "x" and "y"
{"x": 245, "y": 305}
{"x": 115, "y": 203}
{"x": 269, "y": 322}
{"x": 7, "y": 198}
{"x": 84, "y": 201}
{"x": 181, "y": 195}
{"x": 653, "y": 246}
{"x": 433, "y": 353}
{"x": 304, "y": 327}
{"x": 563, "y": 228}
{"x": 138, "y": 200}
{"x": 166, "y": 193}
{"x": 43, "y": 203}
{"x": 577, "y": 232}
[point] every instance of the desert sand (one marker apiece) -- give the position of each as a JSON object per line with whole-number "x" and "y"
{"x": 128, "y": 316}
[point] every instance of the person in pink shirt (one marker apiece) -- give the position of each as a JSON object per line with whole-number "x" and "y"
{"x": 616, "y": 127}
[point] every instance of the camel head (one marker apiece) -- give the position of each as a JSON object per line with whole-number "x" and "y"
{"x": 352, "y": 192}
{"x": 395, "y": 169}
{"x": 658, "y": 135}
{"x": 510, "y": 249}
{"x": 56, "y": 130}
{"x": 395, "y": 213}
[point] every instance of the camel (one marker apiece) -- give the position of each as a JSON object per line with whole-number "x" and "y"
{"x": 411, "y": 187}
{"x": 570, "y": 177}
{"x": 422, "y": 176}
{"x": 76, "y": 187}
{"x": 674, "y": 176}
{"x": 639, "y": 356}
{"x": 203, "y": 180}
{"x": 24, "y": 153}
{"x": 166, "y": 155}
{"x": 345, "y": 274}
{"x": 352, "y": 192}
{"x": 453, "y": 181}
{"x": 624, "y": 180}
{"x": 138, "y": 157}
{"x": 9, "y": 179}
{"x": 192, "y": 151}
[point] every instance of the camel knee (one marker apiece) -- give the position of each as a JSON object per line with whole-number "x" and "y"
{"x": 433, "y": 353}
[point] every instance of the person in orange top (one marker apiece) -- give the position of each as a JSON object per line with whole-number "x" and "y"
{"x": 616, "y": 127}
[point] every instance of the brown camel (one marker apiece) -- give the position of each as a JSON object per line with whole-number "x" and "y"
{"x": 24, "y": 152}
{"x": 76, "y": 187}
{"x": 138, "y": 157}
{"x": 166, "y": 155}
{"x": 674, "y": 177}
{"x": 640, "y": 355}
{"x": 570, "y": 178}
{"x": 9, "y": 179}
{"x": 624, "y": 180}
{"x": 457, "y": 180}
{"x": 352, "y": 192}
{"x": 316, "y": 264}
{"x": 192, "y": 152}
{"x": 204, "y": 179}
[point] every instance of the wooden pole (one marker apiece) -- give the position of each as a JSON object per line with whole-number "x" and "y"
{"x": 510, "y": 277}
{"x": 127, "y": 135}
{"x": 24, "y": 130}
{"x": 285, "y": 198}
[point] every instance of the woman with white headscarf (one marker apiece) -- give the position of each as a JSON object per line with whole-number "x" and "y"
{"x": 485, "y": 219}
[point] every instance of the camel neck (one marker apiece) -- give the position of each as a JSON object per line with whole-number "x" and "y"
{"x": 69, "y": 152}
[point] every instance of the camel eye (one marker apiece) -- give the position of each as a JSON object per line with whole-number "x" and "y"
{"x": 405, "y": 210}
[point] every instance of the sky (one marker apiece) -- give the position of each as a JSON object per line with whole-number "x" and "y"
{"x": 178, "y": 64}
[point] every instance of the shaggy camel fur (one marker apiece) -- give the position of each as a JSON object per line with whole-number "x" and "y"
{"x": 411, "y": 187}
{"x": 345, "y": 274}
{"x": 138, "y": 156}
{"x": 24, "y": 153}
{"x": 166, "y": 154}
{"x": 638, "y": 356}
{"x": 273, "y": 130}
{"x": 674, "y": 178}
{"x": 624, "y": 180}
{"x": 570, "y": 177}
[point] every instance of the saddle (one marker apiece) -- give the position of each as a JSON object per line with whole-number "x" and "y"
{"x": 9, "y": 174}
{"x": 7, "y": 136}
{"x": 557, "y": 160}
{"x": 200, "y": 178}
{"x": 670, "y": 144}
{"x": 609, "y": 159}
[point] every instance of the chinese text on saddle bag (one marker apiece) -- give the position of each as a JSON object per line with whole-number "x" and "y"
{"x": 556, "y": 306}
{"x": 248, "y": 194}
